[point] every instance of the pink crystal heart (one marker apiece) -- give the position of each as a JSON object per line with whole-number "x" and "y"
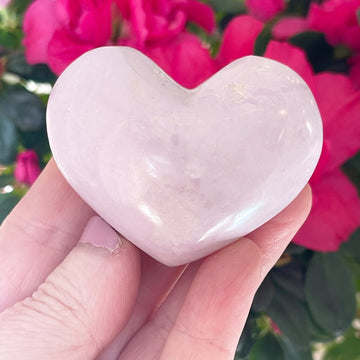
{"x": 182, "y": 173}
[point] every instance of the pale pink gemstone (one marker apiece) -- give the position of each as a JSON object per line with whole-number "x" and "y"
{"x": 182, "y": 173}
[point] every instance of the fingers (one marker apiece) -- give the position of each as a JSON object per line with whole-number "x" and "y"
{"x": 81, "y": 305}
{"x": 226, "y": 284}
{"x": 222, "y": 289}
{"x": 195, "y": 327}
{"x": 157, "y": 281}
{"x": 274, "y": 236}
{"x": 149, "y": 341}
{"x": 38, "y": 234}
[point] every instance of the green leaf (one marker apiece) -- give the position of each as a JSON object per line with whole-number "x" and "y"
{"x": 262, "y": 41}
{"x": 351, "y": 248}
{"x": 7, "y": 203}
{"x": 290, "y": 315}
{"x": 8, "y": 139}
{"x": 298, "y": 7}
{"x": 267, "y": 348}
{"x": 330, "y": 292}
{"x": 263, "y": 296}
{"x": 319, "y": 52}
{"x": 36, "y": 140}
{"x": 246, "y": 341}
{"x": 10, "y": 39}
{"x": 350, "y": 251}
{"x": 23, "y": 108}
{"x": 6, "y": 180}
{"x": 352, "y": 170}
{"x": 346, "y": 348}
{"x": 19, "y": 6}
{"x": 294, "y": 352}
{"x": 227, "y": 6}
{"x": 16, "y": 64}
{"x": 290, "y": 278}
{"x": 294, "y": 249}
{"x": 317, "y": 333}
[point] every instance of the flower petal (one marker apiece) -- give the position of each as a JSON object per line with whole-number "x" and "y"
{"x": 287, "y": 27}
{"x": 201, "y": 14}
{"x": 293, "y": 57}
{"x": 64, "y": 48}
{"x": 40, "y": 24}
{"x": 239, "y": 38}
{"x": 335, "y": 214}
{"x": 339, "y": 105}
{"x": 185, "y": 59}
{"x": 265, "y": 10}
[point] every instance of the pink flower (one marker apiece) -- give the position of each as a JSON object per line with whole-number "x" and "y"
{"x": 185, "y": 59}
{"x": 265, "y": 10}
{"x": 239, "y": 38}
{"x": 334, "y": 215}
{"x": 154, "y": 20}
{"x": 292, "y": 57}
{"x": 57, "y": 32}
{"x": 337, "y": 20}
{"x": 354, "y": 74}
{"x": 275, "y": 328}
{"x": 339, "y": 104}
{"x": 27, "y": 167}
{"x": 287, "y": 27}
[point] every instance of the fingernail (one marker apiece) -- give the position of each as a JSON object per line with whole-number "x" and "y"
{"x": 98, "y": 233}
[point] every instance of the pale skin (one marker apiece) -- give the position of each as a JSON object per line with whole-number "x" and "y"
{"x": 60, "y": 300}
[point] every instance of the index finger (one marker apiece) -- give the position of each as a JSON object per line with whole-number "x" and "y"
{"x": 38, "y": 234}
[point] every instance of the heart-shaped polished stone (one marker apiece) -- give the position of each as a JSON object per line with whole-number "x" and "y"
{"x": 182, "y": 173}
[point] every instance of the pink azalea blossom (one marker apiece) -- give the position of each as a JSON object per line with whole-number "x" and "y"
{"x": 354, "y": 74}
{"x": 338, "y": 21}
{"x": 239, "y": 38}
{"x": 265, "y": 10}
{"x": 292, "y": 57}
{"x": 185, "y": 59}
{"x": 289, "y": 26}
{"x": 334, "y": 215}
{"x": 59, "y": 31}
{"x": 156, "y": 20}
{"x": 27, "y": 167}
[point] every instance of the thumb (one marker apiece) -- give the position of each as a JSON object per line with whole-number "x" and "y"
{"x": 82, "y": 304}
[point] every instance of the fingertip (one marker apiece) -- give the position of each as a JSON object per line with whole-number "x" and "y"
{"x": 274, "y": 236}
{"x": 301, "y": 206}
{"x": 238, "y": 251}
{"x": 308, "y": 197}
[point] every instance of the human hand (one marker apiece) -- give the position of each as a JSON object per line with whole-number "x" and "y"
{"x": 60, "y": 299}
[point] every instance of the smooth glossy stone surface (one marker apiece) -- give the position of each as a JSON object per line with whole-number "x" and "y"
{"x": 182, "y": 173}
